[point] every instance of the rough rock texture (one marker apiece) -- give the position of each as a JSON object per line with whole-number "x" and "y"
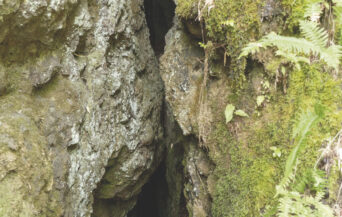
{"x": 229, "y": 168}
{"x": 80, "y": 96}
{"x": 83, "y": 121}
{"x": 181, "y": 68}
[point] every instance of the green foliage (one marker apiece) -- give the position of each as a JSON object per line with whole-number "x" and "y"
{"x": 230, "y": 24}
{"x": 338, "y": 19}
{"x": 246, "y": 169}
{"x": 291, "y": 198}
{"x": 241, "y": 113}
{"x": 293, "y": 201}
{"x": 313, "y": 10}
{"x": 187, "y": 8}
{"x": 294, "y": 204}
{"x": 300, "y": 132}
{"x": 276, "y": 151}
{"x": 228, "y": 112}
{"x": 297, "y": 10}
{"x": 291, "y": 48}
{"x": 315, "y": 34}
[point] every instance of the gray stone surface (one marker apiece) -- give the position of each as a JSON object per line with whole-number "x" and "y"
{"x": 85, "y": 75}
{"x": 181, "y": 69}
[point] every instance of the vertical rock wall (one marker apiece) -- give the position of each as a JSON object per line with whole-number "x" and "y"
{"x": 80, "y": 95}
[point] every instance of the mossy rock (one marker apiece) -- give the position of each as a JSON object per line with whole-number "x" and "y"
{"x": 247, "y": 172}
{"x": 26, "y": 177}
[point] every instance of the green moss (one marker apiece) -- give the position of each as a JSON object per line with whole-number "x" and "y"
{"x": 333, "y": 183}
{"x": 295, "y": 10}
{"x": 27, "y": 175}
{"x": 248, "y": 182}
{"x": 246, "y": 170}
{"x": 187, "y": 9}
{"x": 244, "y": 25}
{"x": 232, "y": 24}
{"x": 244, "y": 22}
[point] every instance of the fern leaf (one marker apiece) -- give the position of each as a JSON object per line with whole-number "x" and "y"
{"x": 338, "y": 13}
{"x": 251, "y": 48}
{"x": 312, "y": 32}
{"x": 314, "y": 10}
{"x": 300, "y": 132}
{"x": 291, "y": 44}
{"x": 290, "y": 57}
{"x": 314, "y": 43}
{"x": 332, "y": 56}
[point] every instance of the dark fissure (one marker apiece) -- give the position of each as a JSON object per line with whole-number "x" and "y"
{"x": 152, "y": 197}
{"x": 162, "y": 194}
{"x": 159, "y": 16}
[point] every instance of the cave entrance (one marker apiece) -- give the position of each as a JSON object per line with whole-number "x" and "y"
{"x": 151, "y": 200}
{"x": 159, "y": 16}
{"x": 162, "y": 195}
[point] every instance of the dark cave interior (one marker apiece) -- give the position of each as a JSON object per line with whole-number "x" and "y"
{"x": 150, "y": 200}
{"x": 159, "y": 17}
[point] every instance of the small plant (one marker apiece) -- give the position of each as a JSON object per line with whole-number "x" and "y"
{"x": 276, "y": 151}
{"x": 230, "y": 111}
{"x": 292, "y": 197}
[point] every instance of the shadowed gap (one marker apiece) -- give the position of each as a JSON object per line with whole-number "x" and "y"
{"x": 159, "y": 16}
{"x": 152, "y": 197}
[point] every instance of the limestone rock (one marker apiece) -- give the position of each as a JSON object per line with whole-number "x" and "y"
{"x": 44, "y": 71}
{"x": 86, "y": 95}
{"x": 26, "y": 176}
{"x": 182, "y": 73}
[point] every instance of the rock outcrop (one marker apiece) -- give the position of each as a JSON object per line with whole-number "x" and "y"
{"x": 80, "y": 99}
{"x": 94, "y": 99}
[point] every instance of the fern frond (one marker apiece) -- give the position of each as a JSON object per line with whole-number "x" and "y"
{"x": 314, "y": 43}
{"x": 320, "y": 183}
{"x": 290, "y": 201}
{"x": 314, "y": 10}
{"x": 305, "y": 123}
{"x": 294, "y": 204}
{"x": 300, "y": 132}
{"x": 284, "y": 206}
{"x": 312, "y": 179}
{"x": 251, "y": 48}
{"x": 312, "y": 32}
{"x": 318, "y": 208}
{"x": 338, "y": 13}
{"x": 332, "y": 55}
{"x": 290, "y": 57}
{"x": 303, "y": 181}
{"x": 290, "y": 44}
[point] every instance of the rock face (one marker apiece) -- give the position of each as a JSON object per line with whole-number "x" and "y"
{"x": 88, "y": 112}
{"x": 80, "y": 96}
{"x": 181, "y": 68}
